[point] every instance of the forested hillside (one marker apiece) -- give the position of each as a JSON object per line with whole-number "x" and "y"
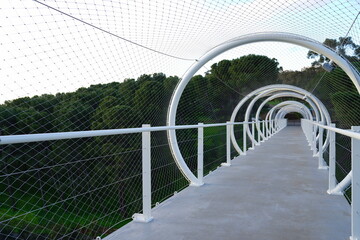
{"x": 71, "y": 176}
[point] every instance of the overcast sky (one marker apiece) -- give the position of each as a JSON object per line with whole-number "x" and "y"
{"x": 45, "y": 51}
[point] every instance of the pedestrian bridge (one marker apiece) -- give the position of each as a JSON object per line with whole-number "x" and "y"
{"x": 179, "y": 119}
{"x": 274, "y": 192}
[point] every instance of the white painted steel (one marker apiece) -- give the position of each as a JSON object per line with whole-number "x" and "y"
{"x": 39, "y": 137}
{"x": 146, "y": 178}
{"x": 273, "y": 95}
{"x": 251, "y": 135}
{"x": 320, "y": 108}
{"x": 314, "y": 140}
{"x": 274, "y": 123}
{"x": 200, "y": 158}
{"x": 289, "y": 109}
{"x": 246, "y": 39}
{"x": 228, "y": 148}
{"x": 298, "y": 107}
{"x": 263, "y": 130}
{"x": 295, "y": 105}
{"x": 320, "y": 155}
{"x": 344, "y": 132}
{"x": 355, "y": 187}
{"x": 244, "y": 139}
{"x": 332, "y": 160}
{"x": 340, "y": 187}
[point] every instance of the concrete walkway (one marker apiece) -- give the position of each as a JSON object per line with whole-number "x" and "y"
{"x": 274, "y": 192}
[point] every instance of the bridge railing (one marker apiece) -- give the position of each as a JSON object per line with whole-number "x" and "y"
{"x": 311, "y": 130}
{"x": 58, "y": 195}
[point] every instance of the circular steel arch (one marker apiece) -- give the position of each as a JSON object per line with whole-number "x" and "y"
{"x": 324, "y": 114}
{"x": 284, "y": 94}
{"x": 246, "y": 39}
{"x": 280, "y": 105}
{"x": 278, "y": 95}
{"x": 292, "y": 104}
{"x": 289, "y": 109}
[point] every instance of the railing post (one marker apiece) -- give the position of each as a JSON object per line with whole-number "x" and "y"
{"x": 200, "y": 159}
{"x": 244, "y": 138}
{"x": 259, "y": 132}
{"x": 332, "y": 160}
{"x": 146, "y": 178}
{"x": 313, "y": 136}
{"x": 228, "y": 152}
{"x": 266, "y": 130}
{"x": 274, "y": 124}
{"x": 309, "y": 130}
{"x": 321, "y": 159}
{"x": 253, "y": 135}
{"x": 355, "y": 186}
{"x": 263, "y": 130}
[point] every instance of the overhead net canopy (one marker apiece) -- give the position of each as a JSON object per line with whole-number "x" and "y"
{"x": 80, "y": 65}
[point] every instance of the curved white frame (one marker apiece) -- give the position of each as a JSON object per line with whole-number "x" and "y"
{"x": 285, "y": 104}
{"x": 278, "y": 95}
{"x": 269, "y": 118}
{"x": 284, "y": 94}
{"x": 289, "y": 109}
{"x": 290, "y": 105}
{"x": 246, "y": 39}
{"x": 320, "y": 107}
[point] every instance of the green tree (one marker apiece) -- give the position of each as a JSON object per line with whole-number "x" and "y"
{"x": 340, "y": 45}
{"x": 148, "y": 103}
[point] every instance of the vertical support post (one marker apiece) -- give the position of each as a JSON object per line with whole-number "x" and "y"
{"x": 200, "y": 159}
{"x": 146, "y": 178}
{"x": 228, "y": 152}
{"x": 355, "y": 186}
{"x": 309, "y": 130}
{"x": 253, "y": 135}
{"x": 332, "y": 160}
{"x": 259, "y": 132}
{"x": 244, "y": 138}
{"x": 275, "y": 126}
{"x": 313, "y": 136}
{"x": 321, "y": 159}
{"x": 263, "y": 130}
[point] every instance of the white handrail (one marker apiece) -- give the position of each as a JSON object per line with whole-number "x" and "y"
{"x": 344, "y": 132}
{"x": 39, "y": 137}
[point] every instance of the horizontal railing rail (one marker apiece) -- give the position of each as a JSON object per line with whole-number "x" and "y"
{"x": 39, "y": 137}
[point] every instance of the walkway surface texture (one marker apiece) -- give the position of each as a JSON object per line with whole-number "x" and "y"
{"x": 274, "y": 192}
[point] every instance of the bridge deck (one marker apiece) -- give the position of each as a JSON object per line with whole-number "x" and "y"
{"x": 274, "y": 192}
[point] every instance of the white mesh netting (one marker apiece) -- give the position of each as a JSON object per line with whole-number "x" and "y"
{"x": 81, "y": 65}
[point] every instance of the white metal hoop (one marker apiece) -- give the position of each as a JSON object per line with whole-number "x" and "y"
{"x": 246, "y": 39}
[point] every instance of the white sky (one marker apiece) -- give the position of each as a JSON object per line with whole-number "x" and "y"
{"x": 43, "y": 51}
